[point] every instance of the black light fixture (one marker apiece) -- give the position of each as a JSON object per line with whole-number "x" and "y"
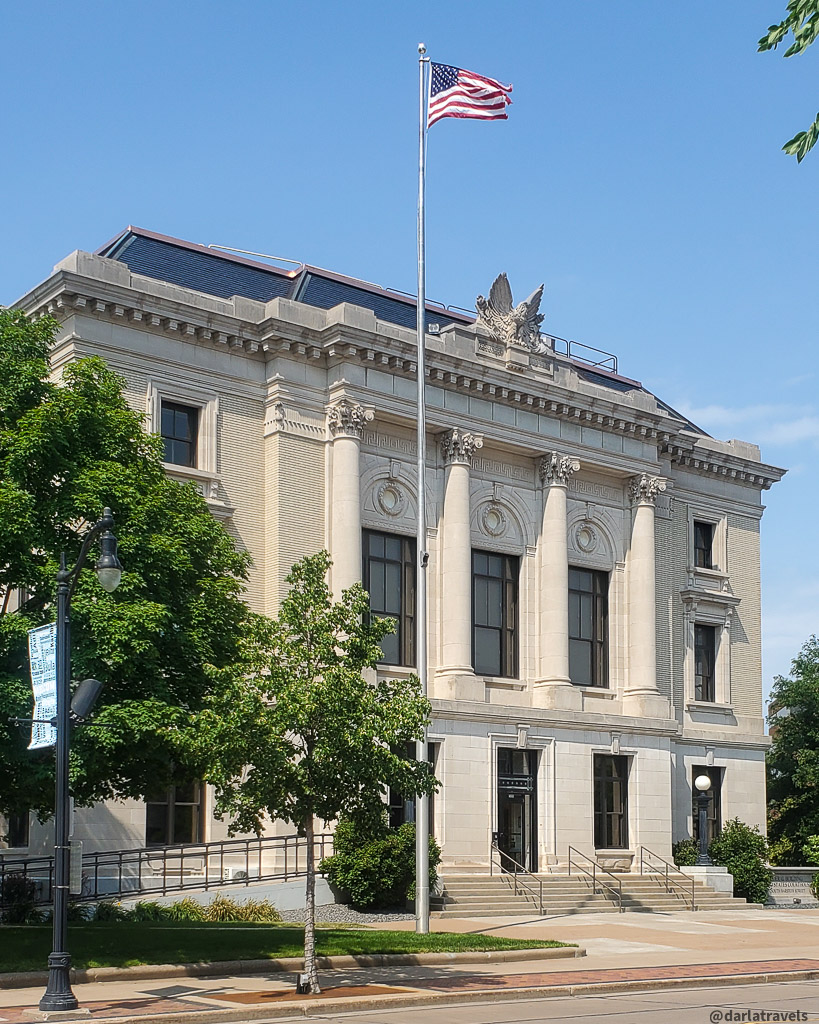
{"x": 703, "y": 785}
{"x": 84, "y": 699}
{"x": 58, "y": 994}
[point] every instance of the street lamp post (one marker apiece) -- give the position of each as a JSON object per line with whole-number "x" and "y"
{"x": 58, "y": 994}
{"x": 703, "y": 785}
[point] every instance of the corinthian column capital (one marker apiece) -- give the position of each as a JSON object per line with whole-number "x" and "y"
{"x": 557, "y": 469}
{"x": 459, "y": 447}
{"x": 346, "y": 418}
{"x": 643, "y": 489}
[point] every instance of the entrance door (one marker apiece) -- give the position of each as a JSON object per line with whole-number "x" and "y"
{"x": 516, "y": 807}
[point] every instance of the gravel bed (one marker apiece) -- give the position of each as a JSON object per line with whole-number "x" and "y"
{"x": 338, "y": 913}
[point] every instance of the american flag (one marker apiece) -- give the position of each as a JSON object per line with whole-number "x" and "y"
{"x": 454, "y": 92}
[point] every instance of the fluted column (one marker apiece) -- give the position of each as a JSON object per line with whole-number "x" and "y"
{"x": 553, "y": 688}
{"x": 345, "y": 421}
{"x": 641, "y": 694}
{"x": 456, "y": 678}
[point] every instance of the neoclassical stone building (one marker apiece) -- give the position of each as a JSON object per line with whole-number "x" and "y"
{"x": 594, "y": 557}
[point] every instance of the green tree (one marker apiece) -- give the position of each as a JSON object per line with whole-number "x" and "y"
{"x": 307, "y": 732}
{"x": 793, "y": 759}
{"x": 802, "y": 23}
{"x": 67, "y": 449}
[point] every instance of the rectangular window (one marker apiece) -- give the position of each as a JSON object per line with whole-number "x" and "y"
{"x": 703, "y": 545}
{"x": 714, "y": 806}
{"x": 588, "y": 627}
{"x": 389, "y": 579}
{"x": 175, "y": 816}
{"x": 705, "y": 657}
{"x": 17, "y": 828}
{"x": 610, "y": 802}
{"x": 494, "y": 614}
{"x": 179, "y": 429}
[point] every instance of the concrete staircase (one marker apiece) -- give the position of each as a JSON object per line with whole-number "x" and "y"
{"x": 494, "y": 896}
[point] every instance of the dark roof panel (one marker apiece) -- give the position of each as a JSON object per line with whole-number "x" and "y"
{"x": 200, "y": 271}
{"x": 326, "y": 292}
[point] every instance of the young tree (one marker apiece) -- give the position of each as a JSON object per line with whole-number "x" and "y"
{"x": 802, "y": 23}
{"x": 67, "y": 449}
{"x": 306, "y": 735}
{"x": 793, "y": 759}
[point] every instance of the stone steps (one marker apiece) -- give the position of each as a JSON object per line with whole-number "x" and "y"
{"x": 494, "y": 896}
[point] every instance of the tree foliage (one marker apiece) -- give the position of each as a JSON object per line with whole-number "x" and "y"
{"x": 307, "y": 732}
{"x": 801, "y": 22}
{"x": 793, "y": 759}
{"x": 67, "y": 449}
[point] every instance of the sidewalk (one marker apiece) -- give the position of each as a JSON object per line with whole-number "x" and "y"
{"x": 625, "y": 952}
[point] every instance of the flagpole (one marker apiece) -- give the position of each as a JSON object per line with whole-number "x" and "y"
{"x": 421, "y": 752}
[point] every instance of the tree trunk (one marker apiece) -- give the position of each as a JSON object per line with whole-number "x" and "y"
{"x": 310, "y": 972}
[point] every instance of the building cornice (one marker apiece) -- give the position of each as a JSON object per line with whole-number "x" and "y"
{"x": 351, "y": 334}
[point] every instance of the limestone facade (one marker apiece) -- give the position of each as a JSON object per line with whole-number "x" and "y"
{"x": 574, "y": 476}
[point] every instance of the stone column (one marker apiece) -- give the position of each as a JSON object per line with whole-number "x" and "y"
{"x": 455, "y": 679}
{"x": 641, "y": 694}
{"x": 346, "y": 420}
{"x": 553, "y": 688}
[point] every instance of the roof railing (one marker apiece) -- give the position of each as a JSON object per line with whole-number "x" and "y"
{"x": 260, "y": 255}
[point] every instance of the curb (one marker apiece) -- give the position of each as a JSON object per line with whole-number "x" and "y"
{"x": 318, "y": 1007}
{"x": 219, "y": 968}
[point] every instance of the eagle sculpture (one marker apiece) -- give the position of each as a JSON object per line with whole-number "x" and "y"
{"x": 506, "y": 322}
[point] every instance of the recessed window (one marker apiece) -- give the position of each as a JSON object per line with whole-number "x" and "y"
{"x": 179, "y": 429}
{"x": 705, "y": 658}
{"x": 713, "y": 810}
{"x": 18, "y": 829}
{"x": 175, "y": 816}
{"x": 494, "y": 614}
{"x": 703, "y": 545}
{"x": 389, "y": 579}
{"x": 610, "y": 802}
{"x": 588, "y": 627}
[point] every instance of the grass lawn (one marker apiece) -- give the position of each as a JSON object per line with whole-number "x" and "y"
{"x": 124, "y": 944}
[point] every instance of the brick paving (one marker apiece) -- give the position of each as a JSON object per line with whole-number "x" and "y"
{"x": 153, "y": 1007}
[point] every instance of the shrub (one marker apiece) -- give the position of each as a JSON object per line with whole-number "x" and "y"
{"x": 742, "y": 850}
{"x": 79, "y": 912}
{"x": 19, "y": 899}
{"x": 258, "y": 912}
{"x": 186, "y": 910}
{"x": 685, "y": 853}
{"x": 148, "y": 911}
{"x": 814, "y": 886}
{"x": 375, "y": 865}
{"x": 107, "y": 910}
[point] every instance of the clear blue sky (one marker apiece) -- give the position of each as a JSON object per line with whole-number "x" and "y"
{"x": 639, "y": 175}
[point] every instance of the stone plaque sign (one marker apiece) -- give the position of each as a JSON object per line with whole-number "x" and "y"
{"x": 791, "y": 887}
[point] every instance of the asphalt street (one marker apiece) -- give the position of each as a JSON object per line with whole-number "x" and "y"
{"x": 724, "y": 1004}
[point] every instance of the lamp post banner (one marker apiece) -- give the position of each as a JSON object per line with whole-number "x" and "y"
{"x": 42, "y": 654}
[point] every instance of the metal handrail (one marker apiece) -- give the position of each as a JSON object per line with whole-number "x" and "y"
{"x": 158, "y": 870}
{"x": 617, "y": 888}
{"x": 517, "y": 869}
{"x": 645, "y": 869}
